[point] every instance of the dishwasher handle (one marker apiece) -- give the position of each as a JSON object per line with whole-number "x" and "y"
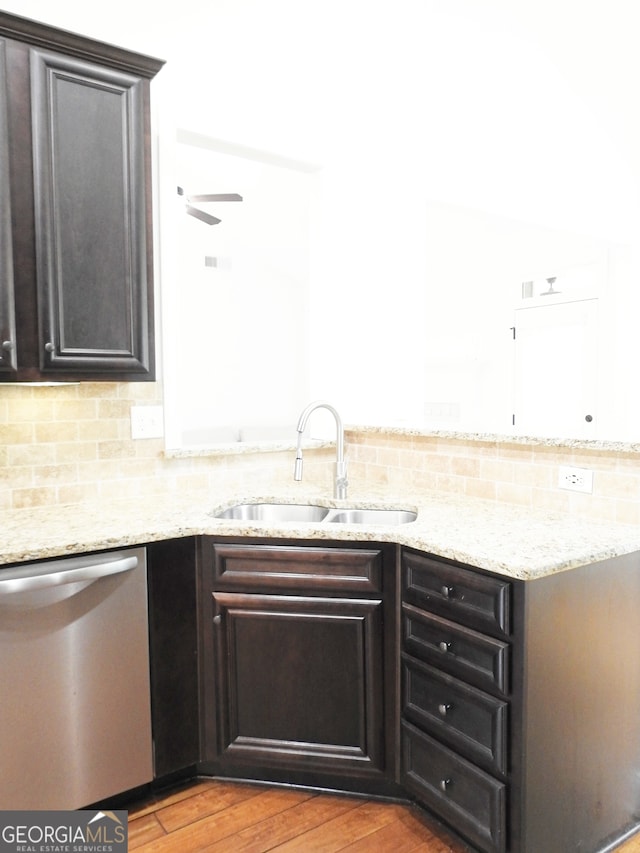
{"x": 51, "y": 574}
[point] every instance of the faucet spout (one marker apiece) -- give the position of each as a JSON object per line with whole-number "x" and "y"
{"x": 340, "y": 479}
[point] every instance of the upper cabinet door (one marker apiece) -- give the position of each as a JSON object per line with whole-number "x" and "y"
{"x": 8, "y": 360}
{"x": 88, "y": 134}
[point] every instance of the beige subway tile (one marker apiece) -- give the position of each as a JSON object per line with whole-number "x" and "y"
{"x": 438, "y": 463}
{"x": 16, "y": 433}
{"x": 25, "y": 498}
{"x": 497, "y": 470}
{"x": 616, "y": 485}
{"x": 45, "y": 474}
{"x": 388, "y": 457}
{"x": 465, "y": 466}
{"x": 75, "y": 410}
{"x": 30, "y": 410}
{"x": 77, "y": 493}
{"x": 31, "y": 454}
{"x": 16, "y": 477}
{"x": 541, "y": 476}
{"x": 477, "y": 488}
{"x": 114, "y": 409}
{"x": 152, "y": 448}
{"x": 450, "y": 483}
{"x": 56, "y": 431}
{"x": 515, "y": 452}
{"x": 115, "y": 450}
{"x": 98, "y": 390}
{"x": 98, "y": 430}
{"x": 553, "y": 500}
{"x": 76, "y": 451}
{"x": 627, "y": 512}
{"x": 513, "y": 493}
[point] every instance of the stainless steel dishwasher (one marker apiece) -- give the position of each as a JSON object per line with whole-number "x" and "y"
{"x": 75, "y": 716}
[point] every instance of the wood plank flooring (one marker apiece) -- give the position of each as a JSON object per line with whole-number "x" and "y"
{"x": 216, "y": 816}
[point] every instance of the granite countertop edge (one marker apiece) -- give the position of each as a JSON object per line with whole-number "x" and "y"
{"x": 509, "y": 540}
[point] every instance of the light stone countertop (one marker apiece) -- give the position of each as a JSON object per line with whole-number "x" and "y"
{"x": 512, "y": 541}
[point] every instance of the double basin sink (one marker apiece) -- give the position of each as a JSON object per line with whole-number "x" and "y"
{"x": 282, "y": 513}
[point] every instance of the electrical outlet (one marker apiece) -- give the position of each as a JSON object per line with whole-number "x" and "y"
{"x": 147, "y": 422}
{"x": 575, "y": 479}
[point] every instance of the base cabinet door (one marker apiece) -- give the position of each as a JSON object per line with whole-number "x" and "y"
{"x": 298, "y": 669}
{"x": 301, "y": 683}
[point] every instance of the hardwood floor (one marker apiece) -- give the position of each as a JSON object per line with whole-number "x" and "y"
{"x": 217, "y": 816}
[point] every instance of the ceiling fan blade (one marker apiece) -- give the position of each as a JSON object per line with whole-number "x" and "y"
{"x": 202, "y": 216}
{"x": 216, "y": 197}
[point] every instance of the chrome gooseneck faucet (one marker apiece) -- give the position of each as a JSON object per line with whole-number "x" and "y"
{"x": 340, "y": 480}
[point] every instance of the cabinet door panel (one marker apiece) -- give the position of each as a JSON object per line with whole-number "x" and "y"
{"x": 7, "y": 316}
{"x": 88, "y": 148}
{"x": 302, "y": 681}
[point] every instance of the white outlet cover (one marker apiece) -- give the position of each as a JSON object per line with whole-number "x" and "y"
{"x": 575, "y": 479}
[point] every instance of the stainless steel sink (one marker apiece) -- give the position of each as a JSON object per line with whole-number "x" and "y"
{"x": 282, "y": 512}
{"x": 372, "y": 516}
{"x": 274, "y": 512}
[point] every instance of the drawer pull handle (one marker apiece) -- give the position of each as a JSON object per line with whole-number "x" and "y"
{"x": 447, "y": 591}
{"x": 444, "y": 646}
{"x": 444, "y": 708}
{"x": 445, "y": 784}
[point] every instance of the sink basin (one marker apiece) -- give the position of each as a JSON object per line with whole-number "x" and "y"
{"x": 274, "y": 512}
{"x": 372, "y": 516}
{"x": 280, "y": 512}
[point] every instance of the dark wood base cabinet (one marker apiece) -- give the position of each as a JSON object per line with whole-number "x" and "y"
{"x": 508, "y": 709}
{"x": 298, "y": 686}
{"x": 521, "y": 703}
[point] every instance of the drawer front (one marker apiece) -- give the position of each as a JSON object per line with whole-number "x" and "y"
{"x": 467, "y": 798}
{"x": 469, "y": 720}
{"x": 297, "y": 569}
{"x": 470, "y": 597}
{"x": 474, "y": 657}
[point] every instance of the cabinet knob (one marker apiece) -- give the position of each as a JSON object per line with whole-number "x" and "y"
{"x": 217, "y": 619}
{"x": 447, "y": 591}
{"x": 49, "y": 347}
{"x": 444, "y": 646}
{"x": 444, "y": 708}
{"x": 7, "y": 346}
{"x": 445, "y": 784}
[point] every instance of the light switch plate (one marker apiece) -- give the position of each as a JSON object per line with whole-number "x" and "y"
{"x": 147, "y": 422}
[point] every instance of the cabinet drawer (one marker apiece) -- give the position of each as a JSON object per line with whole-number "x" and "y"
{"x": 476, "y": 658}
{"x": 464, "y": 796}
{"x": 466, "y": 718}
{"x": 287, "y": 568}
{"x": 470, "y": 597}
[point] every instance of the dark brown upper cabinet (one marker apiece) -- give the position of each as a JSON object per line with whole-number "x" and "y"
{"x": 76, "y": 265}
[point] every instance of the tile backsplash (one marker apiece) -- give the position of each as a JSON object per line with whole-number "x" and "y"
{"x": 69, "y": 444}
{"x": 515, "y": 472}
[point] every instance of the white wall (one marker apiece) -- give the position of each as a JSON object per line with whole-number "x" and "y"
{"x": 527, "y": 111}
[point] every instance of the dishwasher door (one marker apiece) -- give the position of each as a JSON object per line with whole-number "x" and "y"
{"x": 75, "y": 715}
